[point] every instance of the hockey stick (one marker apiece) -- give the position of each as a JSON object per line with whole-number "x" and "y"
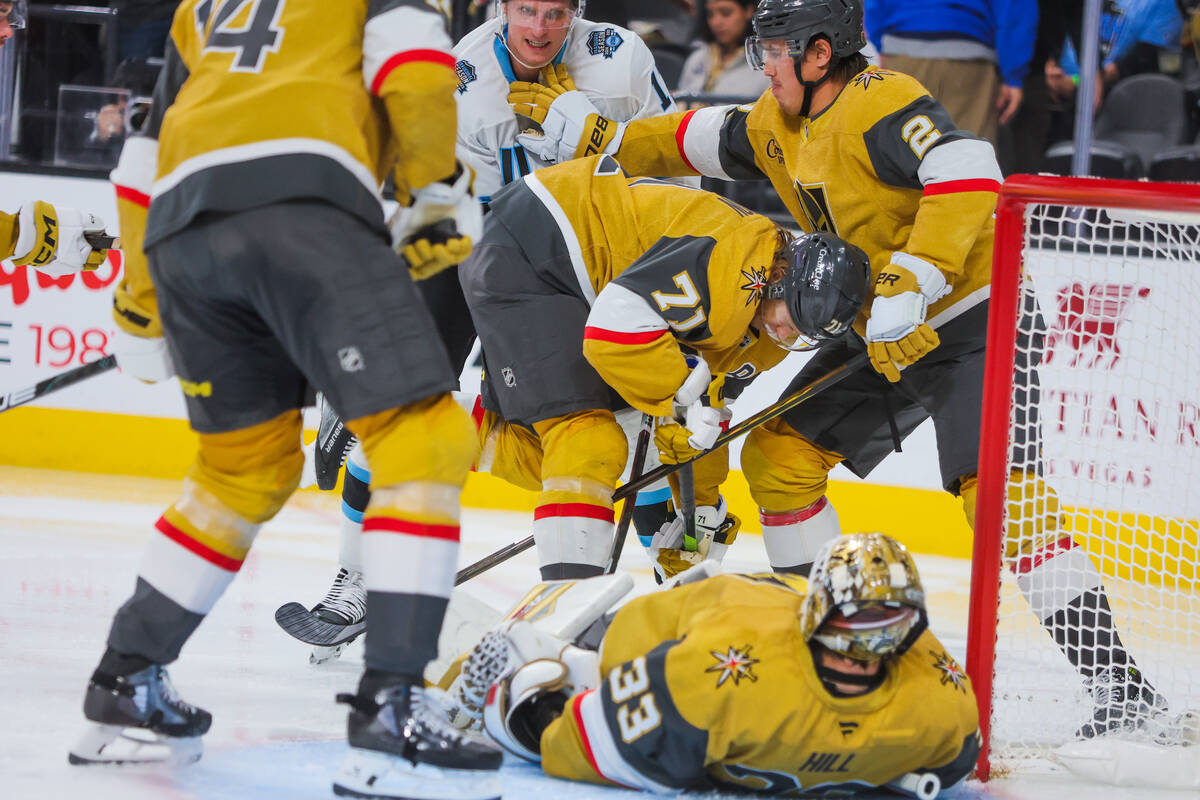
{"x": 635, "y": 472}
{"x": 52, "y": 384}
{"x": 831, "y": 378}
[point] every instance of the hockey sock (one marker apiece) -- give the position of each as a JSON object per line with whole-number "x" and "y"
{"x": 355, "y": 496}
{"x": 1085, "y": 632}
{"x": 119, "y": 664}
{"x": 793, "y": 538}
{"x": 650, "y": 512}
{"x": 375, "y": 680}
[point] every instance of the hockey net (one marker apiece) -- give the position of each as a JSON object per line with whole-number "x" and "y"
{"x": 1091, "y": 402}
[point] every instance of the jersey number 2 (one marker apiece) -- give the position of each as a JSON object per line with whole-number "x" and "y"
{"x": 637, "y": 713}
{"x": 258, "y": 33}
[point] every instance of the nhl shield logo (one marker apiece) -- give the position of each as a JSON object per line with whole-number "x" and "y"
{"x": 510, "y": 379}
{"x": 604, "y": 43}
{"x": 465, "y": 73}
{"x": 350, "y": 359}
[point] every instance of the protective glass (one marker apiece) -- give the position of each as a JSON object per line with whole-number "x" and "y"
{"x": 17, "y": 13}
{"x": 550, "y": 14}
{"x": 760, "y": 51}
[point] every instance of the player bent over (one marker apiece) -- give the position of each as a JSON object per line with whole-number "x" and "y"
{"x": 588, "y": 281}
{"x": 766, "y": 683}
{"x": 263, "y": 216}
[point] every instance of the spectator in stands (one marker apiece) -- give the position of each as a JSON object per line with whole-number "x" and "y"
{"x": 1023, "y": 141}
{"x": 982, "y": 48}
{"x": 143, "y": 26}
{"x": 12, "y": 18}
{"x": 1136, "y": 36}
{"x": 719, "y": 66}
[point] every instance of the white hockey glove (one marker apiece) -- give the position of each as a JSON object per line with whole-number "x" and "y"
{"x": 897, "y": 335}
{"x": 440, "y": 227}
{"x": 571, "y": 126}
{"x": 144, "y": 358}
{"x": 55, "y": 239}
{"x": 670, "y": 551}
{"x": 539, "y": 673}
{"x": 702, "y": 408}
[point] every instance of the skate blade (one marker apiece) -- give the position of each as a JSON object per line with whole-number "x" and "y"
{"x": 300, "y": 623}
{"x": 115, "y": 745}
{"x": 378, "y": 776}
{"x": 323, "y": 655}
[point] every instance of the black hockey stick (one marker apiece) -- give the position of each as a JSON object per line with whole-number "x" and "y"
{"x": 52, "y": 384}
{"x": 831, "y": 378}
{"x": 635, "y": 472}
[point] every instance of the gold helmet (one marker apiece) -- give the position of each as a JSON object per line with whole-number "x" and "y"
{"x": 865, "y": 599}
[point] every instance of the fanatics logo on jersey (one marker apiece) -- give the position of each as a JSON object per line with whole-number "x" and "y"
{"x": 756, "y": 281}
{"x": 864, "y": 79}
{"x": 350, "y": 359}
{"x": 604, "y": 43}
{"x": 952, "y": 673}
{"x": 465, "y": 73}
{"x": 733, "y": 663}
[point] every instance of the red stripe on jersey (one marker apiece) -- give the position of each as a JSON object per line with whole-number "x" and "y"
{"x": 968, "y": 185}
{"x": 583, "y": 736}
{"x": 573, "y": 510}
{"x": 1026, "y": 564}
{"x": 679, "y": 132}
{"x": 432, "y": 56}
{"x": 621, "y": 337}
{"x": 133, "y": 196}
{"x": 791, "y": 517}
{"x": 477, "y": 411}
{"x": 410, "y": 528}
{"x": 204, "y": 551}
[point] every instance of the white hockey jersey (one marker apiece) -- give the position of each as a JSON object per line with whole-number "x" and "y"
{"x": 610, "y": 64}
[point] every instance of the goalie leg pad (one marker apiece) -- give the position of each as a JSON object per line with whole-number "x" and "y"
{"x": 523, "y": 704}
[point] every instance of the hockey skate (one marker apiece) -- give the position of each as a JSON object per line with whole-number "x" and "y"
{"x": 140, "y": 719}
{"x": 332, "y": 624}
{"x": 402, "y": 746}
{"x": 1123, "y": 701}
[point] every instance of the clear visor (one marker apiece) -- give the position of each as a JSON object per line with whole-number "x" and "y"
{"x": 868, "y": 633}
{"x": 16, "y": 16}
{"x": 544, "y": 14}
{"x": 760, "y": 51}
{"x": 797, "y": 342}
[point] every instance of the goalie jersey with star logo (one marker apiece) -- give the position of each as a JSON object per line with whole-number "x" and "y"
{"x": 609, "y": 64}
{"x": 884, "y": 167}
{"x": 660, "y": 265}
{"x": 711, "y": 685}
{"x": 265, "y": 101}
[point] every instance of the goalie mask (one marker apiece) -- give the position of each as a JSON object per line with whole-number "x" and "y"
{"x": 865, "y": 599}
{"x": 825, "y": 282}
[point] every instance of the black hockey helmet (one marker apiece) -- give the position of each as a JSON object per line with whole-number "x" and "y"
{"x": 825, "y": 282}
{"x": 800, "y": 21}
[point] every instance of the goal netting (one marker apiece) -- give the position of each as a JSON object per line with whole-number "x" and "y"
{"x": 1090, "y": 451}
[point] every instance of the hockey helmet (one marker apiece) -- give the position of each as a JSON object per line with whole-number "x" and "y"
{"x": 798, "y": 22}
{"x": 825, "y": 282}
{"x": 865, "y": 599}
{"x": 18, "y": 13}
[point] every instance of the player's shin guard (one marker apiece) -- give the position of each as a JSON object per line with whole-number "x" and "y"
{"x": 583, "y": 455}
{"x": 1065, "y": 590}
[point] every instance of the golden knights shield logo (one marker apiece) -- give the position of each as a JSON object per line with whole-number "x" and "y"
{"x": 814, "y": 202}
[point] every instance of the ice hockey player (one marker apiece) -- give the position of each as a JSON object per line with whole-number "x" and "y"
{"x": 868, "y": 152}
{"x": 615, "y": 69}
{"x": 765, "y": 683}
{"x": 53, "y": 239}
{"x": 13, "y": 14}
{"x": 588, "y": 282}
{"x": 270, "y": 135}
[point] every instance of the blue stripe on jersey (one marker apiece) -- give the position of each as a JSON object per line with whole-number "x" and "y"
{"x": 362, "y": 474}
{"x": 351, "y": 513}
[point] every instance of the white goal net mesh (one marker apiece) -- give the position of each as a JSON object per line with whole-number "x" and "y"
{"x": 1105, "y": 424}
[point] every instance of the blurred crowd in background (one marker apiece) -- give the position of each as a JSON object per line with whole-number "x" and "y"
{"x": 1005, "y": 69}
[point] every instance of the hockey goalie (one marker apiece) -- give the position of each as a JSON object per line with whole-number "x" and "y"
{"x": 760, "y": 682}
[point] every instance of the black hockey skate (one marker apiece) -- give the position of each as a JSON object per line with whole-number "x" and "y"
{"x": 332, "y": 624}
{"x": 402, "y": 746}
{"x": 334, "y": 443}
{"x": 140, "y": 719}
{"x": 1124, "y": 700}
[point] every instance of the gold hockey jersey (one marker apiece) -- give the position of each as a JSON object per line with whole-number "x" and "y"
{"x": 661, "y": 265}
{"x": 8, "y": 234}
{"x": 711, "y": 684}
{"x": 883, "y": 166}
{"x": 266, "y": 101}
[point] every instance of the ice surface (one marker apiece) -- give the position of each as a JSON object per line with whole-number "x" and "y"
{"x": 71, "y": 544}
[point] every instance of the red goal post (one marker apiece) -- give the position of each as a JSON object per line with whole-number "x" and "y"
{"x": 1078, "y": 208}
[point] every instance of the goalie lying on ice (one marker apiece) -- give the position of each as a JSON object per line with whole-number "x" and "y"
{"x": 764, "y": 682}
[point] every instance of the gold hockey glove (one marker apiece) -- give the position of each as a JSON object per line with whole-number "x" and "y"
{"x": 571, "y": 126}
{"x": 440, "y": 227}
{"x": 716, "y": 529}
{"x": 58, "y": 240}
{"x": 897, "y": 335}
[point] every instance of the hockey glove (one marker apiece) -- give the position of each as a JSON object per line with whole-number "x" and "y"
{"x": 145, "y": 358}
{"x": 897, "y": 335}
{"x": 716, "y": 529}
{"x": 55, "y": 239}
{"x": 700, "y": 404}
{"x": 571, "y": 125}
{"x": 438, "y": 230}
